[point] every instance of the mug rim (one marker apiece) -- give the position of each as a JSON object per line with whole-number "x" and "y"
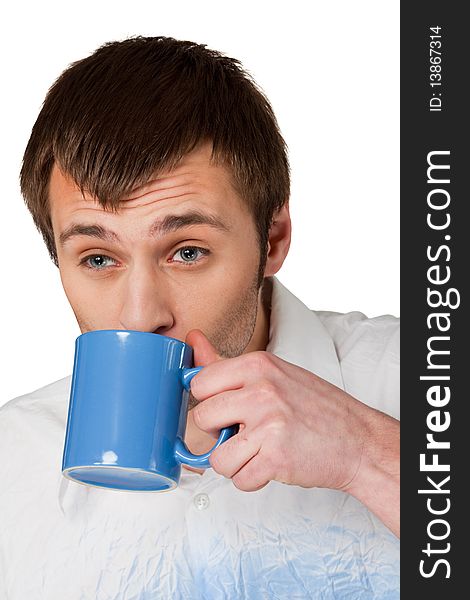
{"x": 147, "y": 333}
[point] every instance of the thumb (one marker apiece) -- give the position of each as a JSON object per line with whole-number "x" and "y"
{"x": 204, "y": 351}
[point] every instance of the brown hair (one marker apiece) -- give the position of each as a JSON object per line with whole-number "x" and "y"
{"x": 134, "y": 108}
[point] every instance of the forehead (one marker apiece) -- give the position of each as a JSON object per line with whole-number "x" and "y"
{"x": 196, "y": 181}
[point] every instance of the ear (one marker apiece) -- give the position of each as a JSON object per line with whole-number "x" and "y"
{"x": 279, "y": 241}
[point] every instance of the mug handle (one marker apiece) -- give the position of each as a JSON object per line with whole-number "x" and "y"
{"x": 182, "y": 453}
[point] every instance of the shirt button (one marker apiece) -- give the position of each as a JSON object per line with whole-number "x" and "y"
{"x": 201, "y": 501}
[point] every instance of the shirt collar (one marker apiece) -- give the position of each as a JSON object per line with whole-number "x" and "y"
{"x": 297, "y": 335}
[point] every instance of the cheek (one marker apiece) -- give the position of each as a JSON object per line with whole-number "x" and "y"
{"x": 221, "y": 286}
{"x": 214, "y": 299}
{"x": 91, "y": 311}
{"x": 70, "y": 285}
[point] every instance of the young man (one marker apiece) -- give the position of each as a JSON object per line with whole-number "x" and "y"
{"x": 159, "y": 179}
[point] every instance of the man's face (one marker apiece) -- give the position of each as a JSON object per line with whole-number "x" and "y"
{"x": 181, "y": 253}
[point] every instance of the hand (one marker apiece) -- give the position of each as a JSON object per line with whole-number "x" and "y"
{"x": 295, "y": 428}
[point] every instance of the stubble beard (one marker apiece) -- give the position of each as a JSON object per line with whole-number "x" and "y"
{"x": 231, "y": 336}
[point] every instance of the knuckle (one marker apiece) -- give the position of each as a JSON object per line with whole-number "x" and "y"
{"x": 279, "y": 423}
{"x": 252, "y": 477}
{"x": 276, "y": 428}
{"x": 199, "y": 413}
{"x": 258, "y": 361}
{"x": 266, "y": 390}
{"x": 252, "y": 361}
{"x": 238, "y": 482}
{"x": 241, "y": 438}
{"x": 195, "y": 387}
{"x": 216, "y": 461}
{"x": 241, "y": 482}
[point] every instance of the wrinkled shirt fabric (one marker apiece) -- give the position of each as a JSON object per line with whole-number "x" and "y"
{"x": 60, "y": 540}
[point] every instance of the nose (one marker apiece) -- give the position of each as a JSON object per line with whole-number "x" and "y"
{"x": 146, "y": 305}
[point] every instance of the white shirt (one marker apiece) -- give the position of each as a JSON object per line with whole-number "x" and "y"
{"x": 206, "y": 539}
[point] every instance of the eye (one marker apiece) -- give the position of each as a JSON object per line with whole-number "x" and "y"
{"x": 189, "y": 254}
{"x": 97, "y": 262}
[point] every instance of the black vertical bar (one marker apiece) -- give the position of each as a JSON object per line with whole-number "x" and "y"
{"x": 434, "y": 260}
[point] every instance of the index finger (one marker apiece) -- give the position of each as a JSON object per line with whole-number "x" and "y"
{"x": 227, "y": 374}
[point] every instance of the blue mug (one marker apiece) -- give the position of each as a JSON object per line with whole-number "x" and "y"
{"x": 127, "y": 412}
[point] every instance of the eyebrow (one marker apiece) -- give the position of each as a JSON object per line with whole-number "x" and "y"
{"x": 160, "y": 227}
{"x": 172, "y": 223}
{"x": 95, "y": 231}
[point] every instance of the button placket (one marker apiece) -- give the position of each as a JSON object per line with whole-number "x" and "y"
{"x": 200, "y": 524}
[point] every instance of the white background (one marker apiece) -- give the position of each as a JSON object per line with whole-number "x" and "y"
{"x": 331, "y": 71}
